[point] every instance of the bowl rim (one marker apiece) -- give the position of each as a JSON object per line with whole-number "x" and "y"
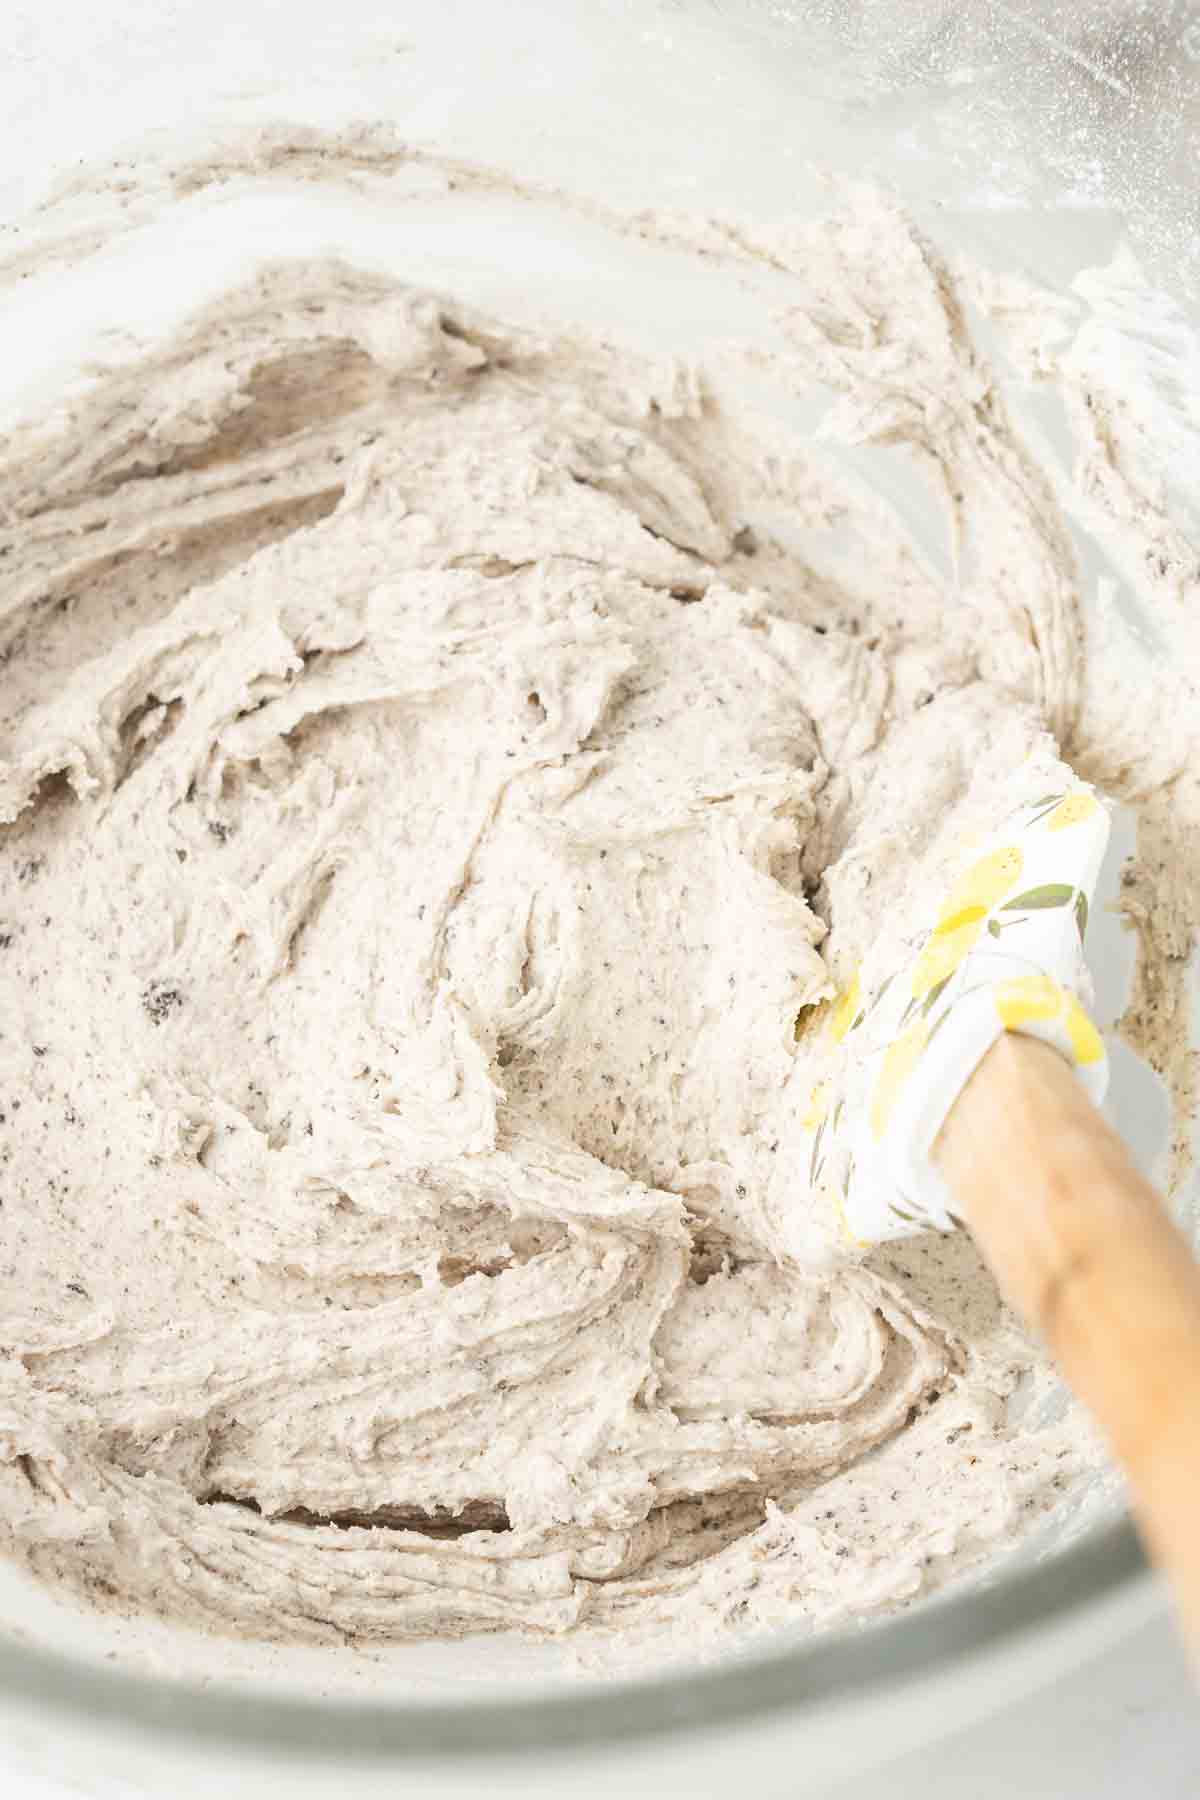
{"x": 763, "y": 1685}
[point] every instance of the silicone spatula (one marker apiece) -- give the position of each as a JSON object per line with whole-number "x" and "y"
{"x": 967, "y": 1093}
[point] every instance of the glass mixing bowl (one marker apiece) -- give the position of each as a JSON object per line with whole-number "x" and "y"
{"x": 1036, "y": 132}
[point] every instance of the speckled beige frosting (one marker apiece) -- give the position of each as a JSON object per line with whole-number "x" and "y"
{"x": 439, "y": 811}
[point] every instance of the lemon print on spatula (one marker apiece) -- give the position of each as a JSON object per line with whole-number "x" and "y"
{"x": 1003, "y": 952}
{"x": 964, "y": 915}
{"x": 1039, "y": 999}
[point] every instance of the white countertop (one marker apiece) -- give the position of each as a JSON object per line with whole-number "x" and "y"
{"x": 1126, "y": 1727}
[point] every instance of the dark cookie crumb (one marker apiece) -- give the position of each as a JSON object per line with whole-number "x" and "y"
{"x": 160, "y": 1000}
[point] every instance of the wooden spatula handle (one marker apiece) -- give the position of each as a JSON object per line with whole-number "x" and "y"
{"x": 1083, "y": 1246}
